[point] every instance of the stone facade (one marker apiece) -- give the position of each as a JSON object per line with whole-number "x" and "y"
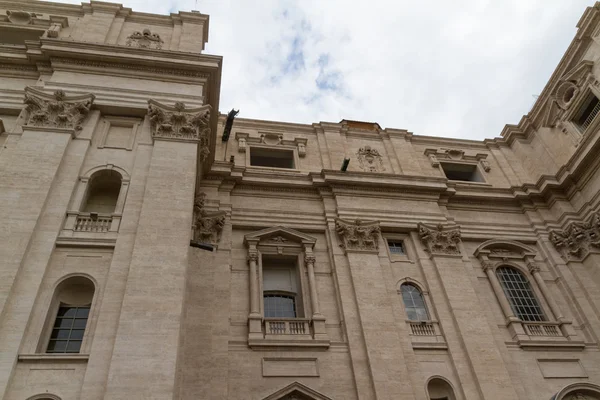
{"x": 422, "y": 268}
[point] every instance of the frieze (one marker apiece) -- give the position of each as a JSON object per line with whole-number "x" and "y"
{"x": 575, "y": 242}
{"x": 207, "y": 226}
{"x": 358, "y": 235}
{"x": 145, "y": 40}
{"x": 370, "y": 160}
{"x": 57, "y": 110}
{"x": 440, "y": 239}
{"x": 181, "y": 123}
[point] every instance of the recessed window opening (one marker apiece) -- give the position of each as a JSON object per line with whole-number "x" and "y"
{"x": 281, "y": 295}
{"x": 439, "y": 389}
{"x": 462, "y": 172}
{"x": 520, "y": 295}
{"x": 396, "y": 247}
{"x": 587, "y": 112}
{"x": 103, "y": 192}
{"x": 261, "y": 157}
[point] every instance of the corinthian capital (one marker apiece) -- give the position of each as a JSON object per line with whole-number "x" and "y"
{"x": 358, "y": 235}
{"x": 440, "y": 239}
{"x": 56, "y": 110}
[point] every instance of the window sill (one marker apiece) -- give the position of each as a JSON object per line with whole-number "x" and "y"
{"x": 55, "y": 357}
{"x": 543, "y": 335}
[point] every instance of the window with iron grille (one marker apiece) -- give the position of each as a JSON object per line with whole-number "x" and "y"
{"x": 279, "y": 305}
{"x": 587, "y": 112}
{"x": 520, "y": 295}
{"x": 69, "y": 327}
{"x": 416, "y": 310}
{"x": 396, "y": 247}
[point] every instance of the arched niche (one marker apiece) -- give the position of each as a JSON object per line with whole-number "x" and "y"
{"x": 578, "y": 391}
{"x": 438, "y": 388}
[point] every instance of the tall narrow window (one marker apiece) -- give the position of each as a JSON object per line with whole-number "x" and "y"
{"x": 520, "y": 295}
{"x": 416, "y": 310}
{"x": 587, "y": 112}
{"x": 103, "y": 192}
{"x": 280, "y": 288}
{"x": 71, "y": 310}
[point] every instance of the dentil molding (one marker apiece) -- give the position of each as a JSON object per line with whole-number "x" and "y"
{"x": 440, "y": 239}
{"x": 56, "y": 110}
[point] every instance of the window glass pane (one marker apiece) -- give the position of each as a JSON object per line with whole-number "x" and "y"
{"x": 63, "y": 323}
{"x": 77, "y": 334}
{"x": 69, "y": 328}
{"x": 59, "y": 334}
{"x": 57, "y": 346}
{"x": 66, "y": 312}
{"x": 83, "y": 312}
{"x": 80, "y": 323}
{"x": 279, "y": 306}
{"x": 74, "y": 346}
{"x": 520, "y": 295}
{"x": 396, "y": 246}
{"x": 414, "y": 303}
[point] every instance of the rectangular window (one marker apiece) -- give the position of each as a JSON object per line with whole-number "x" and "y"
{"x": 68, "y": 330}
{"x": 260, "y": 157}
{"x": 281, "y": 297}
{"x": 396, "y": 247}
{"x": 462, "y": 172}
{"x": 587, "y": 112}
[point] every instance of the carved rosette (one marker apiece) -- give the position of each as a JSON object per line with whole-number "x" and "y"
{"x": 207, "y": 226}
{"x": 440, "y": 239}
{"x": 358, "y": 235}
{"x": 370, "y": 160}
{"x": 57, "y": 110}
{"x": 575, "y": 242}
{"x": 145, "y": 40}
{"x": 181, "y": 123}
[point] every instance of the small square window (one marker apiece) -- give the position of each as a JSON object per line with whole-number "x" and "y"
{"x": 587, "y": 112}
{"x": 462, "y": 172}
{"x": 261, "y": 157}
{"x": 396, "y": 247}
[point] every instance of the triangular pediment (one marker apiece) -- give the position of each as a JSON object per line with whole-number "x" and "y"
{"x": 297, "y": 391}
{"x": 281, "y": 234}
{"x": 579, "y": 72}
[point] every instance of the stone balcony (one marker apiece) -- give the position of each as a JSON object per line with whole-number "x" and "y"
{"x": 89, "y": 228}
{"x": 426, "y": 335}
{"x": 288, "y": 332}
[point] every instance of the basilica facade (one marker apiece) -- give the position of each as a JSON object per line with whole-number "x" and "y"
{"x": 152, "y": 248}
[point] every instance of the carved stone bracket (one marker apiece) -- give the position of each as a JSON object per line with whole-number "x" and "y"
{"x": 274, "y": 139}
{"x": 575, "y": 242}
{"x": 440, "y": 239}
{"x": 181, "y": 124}
{"x": 57, "y": 110}
{"x": 145, "y": 40}
{"x": 358, "y": 235}
{"x": 207, "y": 226}
{"x": 370, "y": 160}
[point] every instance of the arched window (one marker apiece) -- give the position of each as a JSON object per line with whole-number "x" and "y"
{"x": 520, "y": 295}
{"x": 439, "y": 389}
{"x": 71, "y": 309}
{"x": 416, "y": 310}
{"x": 280, "y": 288}
{"x": 103, "y": 192}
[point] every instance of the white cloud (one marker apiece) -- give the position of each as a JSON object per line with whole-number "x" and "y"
{"x": 460, "y": 69}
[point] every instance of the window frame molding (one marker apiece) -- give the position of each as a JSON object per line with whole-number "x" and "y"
{"x": 283, "y": 241}
{"x": 557, "y": 330}
{"x": 408, "y": 255}
{"x": 268, "y": 147}
{"x": 124, "y": 122}
{"x": 51, "y": 313}
{"x": 566, "y": 124}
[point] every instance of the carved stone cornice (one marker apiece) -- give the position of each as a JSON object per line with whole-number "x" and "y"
{"x": 358, "y": 235}
{"x": 57, "y": 110}
{"x": 576, "y": 241}
{"x": 181, "y": 124}
{"x": 207, "y": 226}
{"x": 440, "y": 239}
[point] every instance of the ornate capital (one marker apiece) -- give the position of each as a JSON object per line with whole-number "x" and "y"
{"x": 533, "y": 267}
{"x": 370, "y": 160}
{"x": 440, "y": 239}
{"x": 207, "y": 226}
{"x": 575, "y": 242}
{"x": 309, "y": 259}
{"x": 358, "y": 235}
{"x": 253, "y": 256}
{"x": 57, "y": 110}
{"x": 145, "y": 40}
{"x": 181, "y": 123}
{"x": 487, "y": 266}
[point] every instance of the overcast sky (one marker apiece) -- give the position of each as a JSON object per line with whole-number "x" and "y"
{"x": 461, "y": 68}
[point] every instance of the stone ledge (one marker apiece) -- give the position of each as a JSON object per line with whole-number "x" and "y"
{"x": 54, "y": 357}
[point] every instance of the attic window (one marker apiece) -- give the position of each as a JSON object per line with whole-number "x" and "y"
{"x": 260, "y": 157}
{"x": 462, "y": 172}
{"x": 587, "y": 112}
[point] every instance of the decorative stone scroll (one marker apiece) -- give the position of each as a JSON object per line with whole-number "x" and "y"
{"x": 358, "y": 235}
{"x": 145, "y": 40}
{"x": 370, "y": 160}
{"x": 19, "y": 17}
{"x": 181, "y": 123}
{"x": 440, "y": 239}
{"x": 575, "y": 242}
{"x": 57, "y": 110}
{"x": 207, "y": 226}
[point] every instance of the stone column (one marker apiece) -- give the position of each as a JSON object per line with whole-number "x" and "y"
{"x": 145, "y": 355}
{"x": 255, "y": 317}
{"x": 475, "y": 337}
{"x": 384, "y": 356}
{"x": 35, "y": 175}
{"x": 318, "y": 320}
{"x": 488, "y": 268}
